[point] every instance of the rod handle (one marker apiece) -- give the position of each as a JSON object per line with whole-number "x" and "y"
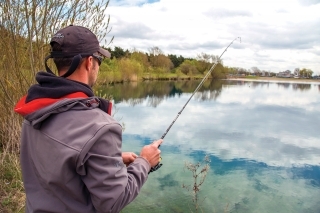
{"x": 156, "y": 167}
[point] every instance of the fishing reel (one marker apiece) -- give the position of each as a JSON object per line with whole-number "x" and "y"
{"x": 155, "y": 168}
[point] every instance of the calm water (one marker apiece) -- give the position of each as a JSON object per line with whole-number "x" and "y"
{"x": 262, "y": 139}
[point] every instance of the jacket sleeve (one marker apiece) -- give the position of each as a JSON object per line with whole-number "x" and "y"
{"x": 110, "y": 183}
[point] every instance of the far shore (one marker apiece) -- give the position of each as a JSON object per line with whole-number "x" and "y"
{"x": 275, "y": 79}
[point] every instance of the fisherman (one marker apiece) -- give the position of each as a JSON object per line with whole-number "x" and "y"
{"x": 71, "y": 156}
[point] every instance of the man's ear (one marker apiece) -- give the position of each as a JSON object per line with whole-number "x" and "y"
{"x": 88, "y": 63}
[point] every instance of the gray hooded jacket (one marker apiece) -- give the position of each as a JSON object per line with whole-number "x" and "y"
{"x": 71, "y": 157}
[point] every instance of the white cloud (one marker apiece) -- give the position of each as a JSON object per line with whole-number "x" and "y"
{"x": 276, "y": 35}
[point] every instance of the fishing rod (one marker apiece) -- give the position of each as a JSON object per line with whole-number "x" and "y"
{"x": 196, "y": 90}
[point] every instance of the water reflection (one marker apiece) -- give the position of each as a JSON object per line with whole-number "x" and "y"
{"x": 157, "y": 91}
{"x": 301, "y": 87}
{"x": 262, "y": 139}
{"x": 135, "y": 93}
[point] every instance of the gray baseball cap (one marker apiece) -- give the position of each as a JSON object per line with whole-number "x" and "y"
{"x": 75, "y": 40}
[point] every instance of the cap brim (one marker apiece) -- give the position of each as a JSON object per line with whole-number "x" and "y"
{"x": 104, "y": 52}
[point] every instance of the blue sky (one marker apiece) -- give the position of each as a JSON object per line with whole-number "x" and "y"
{"x": 276, "y": 35}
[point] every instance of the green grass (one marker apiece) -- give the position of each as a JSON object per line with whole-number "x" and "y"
{"x": 12, "y": 196}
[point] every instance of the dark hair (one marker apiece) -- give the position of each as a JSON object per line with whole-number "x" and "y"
{"x": 60, "y": 63}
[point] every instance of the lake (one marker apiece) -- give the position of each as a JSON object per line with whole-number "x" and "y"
{"x": 262, "y": 139}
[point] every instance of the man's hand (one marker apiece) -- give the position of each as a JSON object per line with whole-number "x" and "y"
{"x": 151, "y": 152}
{"x": 128, "y": 157}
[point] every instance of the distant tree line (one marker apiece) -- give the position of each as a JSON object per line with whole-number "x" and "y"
{"x": 131, "y": 65}
{"x": 303, "y": 72}
{"x": 126, "y": 65}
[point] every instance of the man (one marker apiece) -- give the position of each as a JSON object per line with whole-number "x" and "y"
{"x": 71, "y": 156}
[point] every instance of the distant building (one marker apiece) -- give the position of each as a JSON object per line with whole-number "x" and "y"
{"x": 265, "y": 74}
{"x": 285, "y": 74}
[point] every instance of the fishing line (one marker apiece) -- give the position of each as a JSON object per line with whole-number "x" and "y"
{"x": 198, "y": 87}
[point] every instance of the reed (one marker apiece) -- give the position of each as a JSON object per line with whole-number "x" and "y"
{"x": 199, "y": 173}
{"x": 11, "y": 188}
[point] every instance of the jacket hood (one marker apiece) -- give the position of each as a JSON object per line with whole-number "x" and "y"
{"x": 54, "y": 95}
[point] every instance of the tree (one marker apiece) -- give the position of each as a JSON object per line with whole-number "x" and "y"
{"x": 306, "y": 73}
{"x": 218, "y": 72}
{"x": 140, "y": 57}
{"x": 35, "y": 21}
{"x": 155, "y": 51}
{"x": 209, "y": 58}
{"x": 161, "y": 61}
{"x": 130, "y": 69}
{"x": 188, "y": 67}
{"x": 205, "y": 61}
{"x": 256, "y": 70}
{"x": 118, "y": 52}
{"x": 204, "y": 57}
{"x": 176, "y": 60}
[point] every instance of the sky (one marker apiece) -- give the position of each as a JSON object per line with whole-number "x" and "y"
{"x": 276, "y": 35}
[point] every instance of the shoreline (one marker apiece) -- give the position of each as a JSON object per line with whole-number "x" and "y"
{"x": 275, "y": 79}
